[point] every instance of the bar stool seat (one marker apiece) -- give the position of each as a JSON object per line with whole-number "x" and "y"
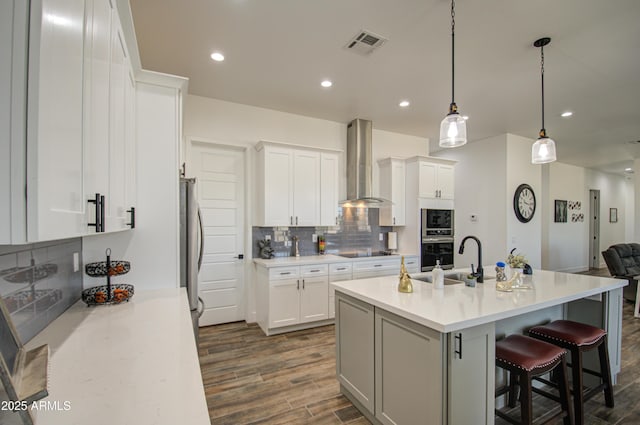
{"x": 578, "y": 338}
{"x": 526, "y": 358}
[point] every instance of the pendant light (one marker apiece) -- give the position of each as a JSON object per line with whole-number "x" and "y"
{"x": 453, "y": 128}
{"x": 544, "y": 149}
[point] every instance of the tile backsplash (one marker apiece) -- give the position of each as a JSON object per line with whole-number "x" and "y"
{"x": 38, "y": 282}
{"x": 358, "y": 231}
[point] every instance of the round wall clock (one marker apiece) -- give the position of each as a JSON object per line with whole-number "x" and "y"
{"x": 524, "y": 203}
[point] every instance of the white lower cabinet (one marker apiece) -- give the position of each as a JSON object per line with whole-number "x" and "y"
{"x": 289, "y": 296}
{"x": 399, "y": 372}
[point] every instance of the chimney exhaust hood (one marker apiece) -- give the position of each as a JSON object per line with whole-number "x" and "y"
{"x": 360, "y": 166}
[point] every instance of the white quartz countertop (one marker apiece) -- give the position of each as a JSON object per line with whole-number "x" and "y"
{"x": 320, "y": 259}
{"x": 133, "y": 363}
{"x": 458, "y": 306}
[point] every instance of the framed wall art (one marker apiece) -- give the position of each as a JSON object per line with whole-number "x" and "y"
{"x": 613, "y": 215}
{"x": 560, "y": 215}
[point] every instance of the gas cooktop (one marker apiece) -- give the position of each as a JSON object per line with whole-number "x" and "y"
{"x": 364, "y": 254}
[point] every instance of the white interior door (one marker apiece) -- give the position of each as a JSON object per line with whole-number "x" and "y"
{"x": 220, "y": 186}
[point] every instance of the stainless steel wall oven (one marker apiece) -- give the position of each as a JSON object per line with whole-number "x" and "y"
{"x": 437, "y": 238}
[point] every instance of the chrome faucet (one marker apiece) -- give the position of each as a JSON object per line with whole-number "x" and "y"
{"x": 479, "y": 271}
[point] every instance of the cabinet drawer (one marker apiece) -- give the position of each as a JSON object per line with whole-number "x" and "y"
{"x": 340, "y": 268}
{"x": 314, "y": 270}
{"x": 278, "y": 273}
{"x": 373, "y": 265}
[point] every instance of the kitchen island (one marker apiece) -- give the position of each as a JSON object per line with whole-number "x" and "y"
{"x": 403, "y": 358}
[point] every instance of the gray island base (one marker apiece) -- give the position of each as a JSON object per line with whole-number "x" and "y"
{"x": 428, "y": 357}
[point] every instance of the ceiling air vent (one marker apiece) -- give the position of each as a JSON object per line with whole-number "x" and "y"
{"x": 365, "y": 42}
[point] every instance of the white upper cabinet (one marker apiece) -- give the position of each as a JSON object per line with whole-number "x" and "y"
{"x": 109, "y": 119}
{"x": 436, "y": 180}
{"x": 292, "y": 187}
{"x": 392, "y": 187}
{"x": 55, "y": 193}
{"x": 329, "y": 188}
{"x": 74, "y": 80}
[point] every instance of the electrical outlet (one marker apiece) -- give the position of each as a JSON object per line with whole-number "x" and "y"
{"x": 287, "y": 243}
{"x": 314, "y": 238}
{"x": 267, "y": 237}
{"x": 76, "y": 262}
{"x": 381, "y": 237}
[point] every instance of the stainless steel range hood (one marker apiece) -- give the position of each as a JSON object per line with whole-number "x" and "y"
{"x": 360, "y": 166}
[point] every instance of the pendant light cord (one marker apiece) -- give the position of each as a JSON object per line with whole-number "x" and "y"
{"x": 453, "y": 27}
{"x": 542, "y": 79}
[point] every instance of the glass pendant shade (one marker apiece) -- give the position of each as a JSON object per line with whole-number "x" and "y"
{"x": 543, "y": 151}
{"x": 453, "y": 131}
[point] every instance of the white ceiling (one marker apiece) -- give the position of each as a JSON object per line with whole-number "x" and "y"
{"x": 278, "y": 51}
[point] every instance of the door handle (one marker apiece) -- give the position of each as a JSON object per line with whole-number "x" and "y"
{"x": 201, "y": 227}
{"x": 99, "y": 203}
{"x": 459, "y": 350}
{"x": 298, "y": 284}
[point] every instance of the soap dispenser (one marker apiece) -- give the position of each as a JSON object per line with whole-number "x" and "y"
{"x": 437, "y": 276}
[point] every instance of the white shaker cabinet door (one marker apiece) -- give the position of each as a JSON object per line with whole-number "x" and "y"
{"x": 284, "y": 304}
{"x": 329, "y": 189}
{"x": 306, "y": 188}
{"x": 55, "y": 194}
{"x": 314, "y": 298}
{"x": 115, "y": 208}
{"x": 278, "y": 181}
{"x": 446, "y": 181}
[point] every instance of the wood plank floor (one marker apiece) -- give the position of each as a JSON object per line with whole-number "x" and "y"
{"x": 290, "y": 379}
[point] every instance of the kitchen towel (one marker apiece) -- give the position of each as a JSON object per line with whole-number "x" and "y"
{"x": 392, "y": 240}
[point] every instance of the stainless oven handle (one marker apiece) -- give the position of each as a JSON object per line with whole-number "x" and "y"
{"x": 437, "y": 240}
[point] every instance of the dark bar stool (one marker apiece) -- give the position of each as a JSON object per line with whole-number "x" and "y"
{"x": 579, "y": 338}
{"x": 526, "y": 358}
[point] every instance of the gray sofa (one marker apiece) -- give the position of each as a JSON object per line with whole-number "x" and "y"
{"x": 623, "y": 261}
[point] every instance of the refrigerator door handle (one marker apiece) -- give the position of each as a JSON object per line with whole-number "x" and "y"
{"x": 201, "y": 227}
{"x": 200, "y": 302}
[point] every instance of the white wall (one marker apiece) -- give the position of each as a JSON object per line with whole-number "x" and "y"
{"x": 567, "y": 244}
{"x": 480, "y": 185}
{"x": 525, "y": 237}
{"x": 614, "y": 193}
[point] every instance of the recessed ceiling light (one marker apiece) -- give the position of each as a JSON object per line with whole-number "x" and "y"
{"x": 404, "y": 104}
{"x": 326, "y": 83}
{"x": 566, "y": 114}
{"x": 217, "y": 56}
{"x": 465, "y": 117}
{"x": 628, "y": 170}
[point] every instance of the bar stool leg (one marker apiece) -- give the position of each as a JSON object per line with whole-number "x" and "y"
{"x": 526, "y": 400}
{"x": 578, "y": 395}
{"x": 565, "y": 395}
{"x": 605, "y": 371}
{"x": 513, "y": 389}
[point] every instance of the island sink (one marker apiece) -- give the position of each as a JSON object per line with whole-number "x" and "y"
{"x": 447, "y": 280}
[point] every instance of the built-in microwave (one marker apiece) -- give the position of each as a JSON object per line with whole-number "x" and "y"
{"x": 437, "y": 222}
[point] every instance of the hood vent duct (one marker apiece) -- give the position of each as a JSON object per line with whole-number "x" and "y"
{"x": 360, "y": 166}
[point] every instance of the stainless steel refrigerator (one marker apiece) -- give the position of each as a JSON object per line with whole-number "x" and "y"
{"x": 191, "y": 247}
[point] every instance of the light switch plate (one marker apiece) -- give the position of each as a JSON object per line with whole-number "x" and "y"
{"x": 381, "y": 236}
{"x": 76, "y": 262}
{"x": 314, "y": 238}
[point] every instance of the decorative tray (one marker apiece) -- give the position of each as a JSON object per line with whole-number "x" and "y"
{"x": 97, "y": 295}
{"x": 99, "y": 269}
